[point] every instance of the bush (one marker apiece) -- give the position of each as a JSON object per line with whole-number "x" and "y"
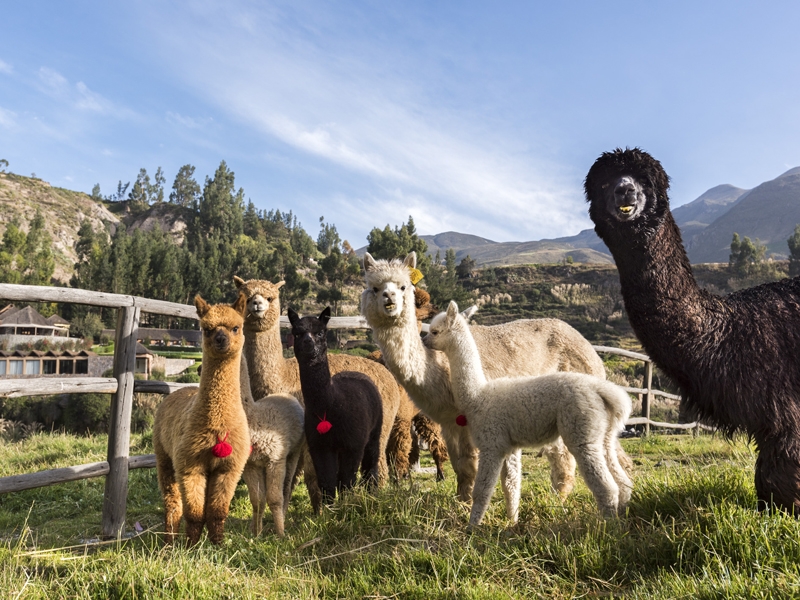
{"x": 87, "y": 413}
{"x": 188, "y": 377}
{"x": 158, "y": 374}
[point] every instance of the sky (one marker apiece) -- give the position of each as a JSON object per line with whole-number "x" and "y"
{"x": 475, "y": 117}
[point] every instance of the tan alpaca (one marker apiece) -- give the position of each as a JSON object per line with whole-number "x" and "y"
{"x": 276, "y": 435}
{"x": 528, "y": 347}
{"x": 270, "y": 373}
{"x": 200, "y": 436}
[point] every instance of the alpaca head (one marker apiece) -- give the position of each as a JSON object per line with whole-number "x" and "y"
{"x": 310, "y": 335}
{"x": 222, "y": 326}
{"x": 389, "y": 293}
{"x": 627, "y": 191}
{"x": 444, "y": 328}
{"x": 263, "y": 303}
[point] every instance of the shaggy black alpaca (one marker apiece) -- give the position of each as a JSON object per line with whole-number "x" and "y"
{"x": 343, "y": 414}
{"x": 737, "y": 357}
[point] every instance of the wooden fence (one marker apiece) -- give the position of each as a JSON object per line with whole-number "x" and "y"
{"x": 123, "y": 385}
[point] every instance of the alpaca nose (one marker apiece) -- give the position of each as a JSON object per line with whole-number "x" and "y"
{"x": 221, "y": 340}
{"x": 624, "y": 187}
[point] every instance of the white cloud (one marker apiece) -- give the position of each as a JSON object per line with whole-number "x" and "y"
{"x": 7, "y": 118}
{"x": 188, "y": 122}
{"x": 79, "y": 96}
{"x": 5, "y": 67}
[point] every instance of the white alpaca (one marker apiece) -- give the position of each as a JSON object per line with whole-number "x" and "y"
{"x": 515, "y": 412}
{"x": 529, "y": 347}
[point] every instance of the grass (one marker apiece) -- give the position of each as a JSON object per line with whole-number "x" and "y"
{"x": 691, "y": 532}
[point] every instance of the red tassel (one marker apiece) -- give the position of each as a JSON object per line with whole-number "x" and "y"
{"x": 461, "y": 420}
{"x": 324, "y": 426}
{"x": 222, "y": 448}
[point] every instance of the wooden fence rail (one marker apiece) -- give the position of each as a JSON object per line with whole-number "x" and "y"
{"x": 122, "y": 387}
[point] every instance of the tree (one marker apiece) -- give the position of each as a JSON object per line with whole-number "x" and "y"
{"x": 328, "y": 237}
{"x": 465, "y": 267}
{"x": 794, "y": 252}
{"x": 185, "y": 189}
{"x": 140, "y": 192}
{"x": 745, "y": 256}
{"x": 387, "y": 243}
{"x": 336, "y": 270}
{"x": 96, "y": 195}
{"x": 3, "y": 165}
{"x": 442, "y": 283}
{"x": 39, "y": 262}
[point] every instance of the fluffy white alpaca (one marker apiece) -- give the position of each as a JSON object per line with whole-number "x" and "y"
{"x": 528, "y": 347}
{"x": 513, "y": 412}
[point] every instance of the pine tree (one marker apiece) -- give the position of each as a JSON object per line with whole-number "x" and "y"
{"x": 185, "y": 189}
{"x": 794, "y": 252}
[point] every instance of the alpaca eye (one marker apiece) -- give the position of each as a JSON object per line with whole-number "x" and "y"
{"x": 269, "y": 299}
{"x": 375, "y": 290}
{"x": 402, "y": 288}
{"x": 236, "y": 329}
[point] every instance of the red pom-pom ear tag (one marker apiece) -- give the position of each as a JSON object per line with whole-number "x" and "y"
{"x": 324, "y": 426}
{"x": 222, "y": 448}
{"x": 461, "y": 421}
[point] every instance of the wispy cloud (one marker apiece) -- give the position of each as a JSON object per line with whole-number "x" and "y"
{"x": 345, "y": 111}
{"x": 188, "y": 122}
{"x": 5, "y": 67}
{"x": 79, "y": 96}
{"x": 7, "y": 118}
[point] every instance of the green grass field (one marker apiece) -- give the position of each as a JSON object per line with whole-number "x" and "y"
{"x": 691, "y": 532}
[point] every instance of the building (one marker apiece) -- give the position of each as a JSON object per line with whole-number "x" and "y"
{"x": 21, "y": 325}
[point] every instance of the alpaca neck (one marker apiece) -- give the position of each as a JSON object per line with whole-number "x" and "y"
{"x": 466, "y": 369}
{"x": 404, "y": 353}
{"x": 265, "y": 363}
{"x": 315, "y": 381}
{"x": 665, "y": 307}
{"x": 220, "y": 386}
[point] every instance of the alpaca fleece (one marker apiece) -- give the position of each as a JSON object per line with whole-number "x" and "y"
{"x": 530, "y": 347}
{"x": 276, "y": 436}
{"x": 194, "y": 481}
{"x": 509, "y": 413}
{"x": 271, "y": 373}
{"x": 736, "y": 358}
{"x": 347, "y": 404}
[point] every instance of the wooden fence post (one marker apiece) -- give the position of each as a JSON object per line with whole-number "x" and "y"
{"x": 646, "y": 401}
{"x": 116, "y": 491}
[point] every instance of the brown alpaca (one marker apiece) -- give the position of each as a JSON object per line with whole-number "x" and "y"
{"x": 424, "y": 426}
{"x": 200, "y": 436}
{"x": 270, "y": 373}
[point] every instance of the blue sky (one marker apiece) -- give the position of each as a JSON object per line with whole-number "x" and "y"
{"x": 475, "y": 117}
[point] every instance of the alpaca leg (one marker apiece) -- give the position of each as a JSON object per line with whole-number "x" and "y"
{"x": 255, "y": 478}
{"x": 221, "y": 488}
{"x": 778, "y": 475}
{"x": 399, "y": 448}
{"x": 591, "y": 458}
{"x": 625, "y": 461}
{"x": 429, "y": 431}
{"x": 193, "y": 492}
{"x": 310, "y": 479}
{"x": 413, "y": 453}
{"x": 618, "y": 472}
{"x": 170, "y": 491}
{"x": 511, "y": 482}
{"x": 275, "y": 477}
{"x": 562, "y": 467}
{"x": 463, "y": 457}
{"x": 348, "y": 469}
{"x": 489, "y": 466}
{"x": 326, "y": 465}
{"x": 369, "y": 463}
{"x": 288, "y": 481}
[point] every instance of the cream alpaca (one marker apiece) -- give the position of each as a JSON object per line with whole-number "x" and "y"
{"x": 276, "y": 435}
{"x": 529, "y": 347}
{"x": 270, "y": 373}
{"x": 514, "y": 412}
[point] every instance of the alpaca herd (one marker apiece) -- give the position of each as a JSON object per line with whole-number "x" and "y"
{"x": 477, "y": 394}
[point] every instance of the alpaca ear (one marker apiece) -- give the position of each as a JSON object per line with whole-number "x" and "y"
{"x": 467, "y": 314}
{"x": 369, "y": 262}
{"x": 280, "y": 284}
{"x": 238, "y": 281}
{"x": 293, "y": 317}
{"x": 325, "y": 315}
{"x": 452, "y": 312}
{"x": 240, "y": 305}
{"x": 411, "y": 260}
{"x": 201, "y": 305}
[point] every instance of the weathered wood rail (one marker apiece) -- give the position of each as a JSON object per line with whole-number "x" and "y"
{"x": 122, "y": 387}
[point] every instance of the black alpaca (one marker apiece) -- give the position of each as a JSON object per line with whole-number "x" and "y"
{"x": 736, "y": 358}
{"x": 343, "y": 415}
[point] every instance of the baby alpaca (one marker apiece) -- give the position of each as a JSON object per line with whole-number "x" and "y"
{"x": 200, "y": 436}
{"x": 343, "y": 413}
{"x": 510, "y": 413}
{"x": 276, "y": 434}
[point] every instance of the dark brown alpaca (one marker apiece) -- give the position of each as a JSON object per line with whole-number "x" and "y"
{"x": 736, "y": 358}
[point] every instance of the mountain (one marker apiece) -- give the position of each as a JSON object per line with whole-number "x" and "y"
{"x": 695, "y": 216}
{"x": 63, "y": 210}
{"x": 768, "y": 212}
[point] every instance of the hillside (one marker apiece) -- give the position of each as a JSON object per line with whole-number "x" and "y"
{"x": 64, "y": 210}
